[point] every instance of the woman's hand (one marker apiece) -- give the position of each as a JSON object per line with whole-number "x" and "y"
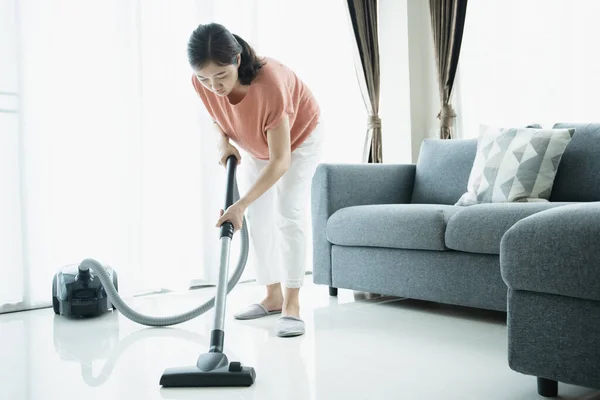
{"x": 226, "y": 149}
{"x": 234, "y": 214}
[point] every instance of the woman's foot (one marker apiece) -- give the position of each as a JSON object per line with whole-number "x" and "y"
{"x": 271, "y": 304}
{"x": 274, "y": 299}
{"x": 290, "y": 324}
{"x": 291, "y": 304}
{"x": 291, "y": 309}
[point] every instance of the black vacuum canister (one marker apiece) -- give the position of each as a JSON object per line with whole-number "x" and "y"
{"x": 77, "y": 292}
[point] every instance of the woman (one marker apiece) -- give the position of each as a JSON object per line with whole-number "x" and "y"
{"x": 266, "y": 110}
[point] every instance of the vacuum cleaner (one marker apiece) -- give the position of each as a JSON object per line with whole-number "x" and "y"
{"x": 78, "y": 292}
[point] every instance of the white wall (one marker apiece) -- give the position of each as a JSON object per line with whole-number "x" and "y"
{"x": 409, "y": 101}
{"x": 424, "y": 97}
{"x": 395, "y": 95}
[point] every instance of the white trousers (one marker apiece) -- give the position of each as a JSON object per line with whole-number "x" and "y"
{"x": 279, "y": 219}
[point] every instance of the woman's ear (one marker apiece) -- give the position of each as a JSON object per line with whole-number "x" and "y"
{"x": 239, "y": 59}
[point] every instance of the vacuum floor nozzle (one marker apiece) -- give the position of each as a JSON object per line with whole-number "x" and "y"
{"x": 211, "y": 370}
{"x": 193, "y": 376}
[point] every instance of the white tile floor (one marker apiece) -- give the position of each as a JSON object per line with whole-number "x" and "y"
{"x": 355, "y": 348}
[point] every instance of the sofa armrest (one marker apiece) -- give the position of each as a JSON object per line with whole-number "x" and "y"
{"x": 335, "y": 186}
{"x": 555, "y": 251}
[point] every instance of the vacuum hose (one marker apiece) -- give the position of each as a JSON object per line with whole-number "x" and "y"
{"x": 148, "y": 320}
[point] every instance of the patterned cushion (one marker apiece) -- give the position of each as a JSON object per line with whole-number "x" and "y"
{"x": 516, "y": 164}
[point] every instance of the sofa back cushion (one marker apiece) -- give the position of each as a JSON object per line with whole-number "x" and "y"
{"x": 578, "y": 175}
{"x": 443, "y": 170}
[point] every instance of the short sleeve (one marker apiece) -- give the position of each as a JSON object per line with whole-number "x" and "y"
{"x": 278, "y": 104}
{"x": 202, "y": 94}
{"x": 196, "y": 85}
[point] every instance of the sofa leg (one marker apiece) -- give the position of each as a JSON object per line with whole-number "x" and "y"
{"x": 547, "y": 387}
{"x": 332, "y": 291}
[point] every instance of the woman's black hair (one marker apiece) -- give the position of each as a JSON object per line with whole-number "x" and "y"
{"x": 214, "y": 43}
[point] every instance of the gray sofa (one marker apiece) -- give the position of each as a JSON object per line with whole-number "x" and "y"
{"x": 394, "y": 230}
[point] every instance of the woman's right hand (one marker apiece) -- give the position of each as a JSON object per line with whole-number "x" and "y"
{"x": 226, "y": 149}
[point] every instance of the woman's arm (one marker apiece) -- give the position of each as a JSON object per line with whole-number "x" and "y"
{"x": 280, "y": 156}
{"x": 225, "y": 148}
{"x": 220, "y": 135}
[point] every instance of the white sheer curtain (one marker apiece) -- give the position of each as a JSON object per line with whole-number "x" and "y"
{"x": 529, "y": 61}
{"x": 104, "y": 150}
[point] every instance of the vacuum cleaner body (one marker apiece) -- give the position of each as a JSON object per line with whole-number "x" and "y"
{"x": 77, "y": 292}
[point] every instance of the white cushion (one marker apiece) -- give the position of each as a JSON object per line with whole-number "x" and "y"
{"x": 515, "y": 164}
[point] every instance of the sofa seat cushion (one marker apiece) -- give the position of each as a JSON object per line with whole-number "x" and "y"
{"x": 398, "y": 226}
{"x": 479, "y": 228}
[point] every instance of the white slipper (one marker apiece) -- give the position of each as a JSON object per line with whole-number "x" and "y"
{"x": 288, "y": 326}
{"x": 255, "y": 311}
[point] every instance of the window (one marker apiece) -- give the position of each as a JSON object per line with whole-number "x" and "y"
{"x": 531, "y": 61}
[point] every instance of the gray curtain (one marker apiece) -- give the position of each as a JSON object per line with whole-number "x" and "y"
{"x": 447, "y": 23}
{"x": 363, "y": 15}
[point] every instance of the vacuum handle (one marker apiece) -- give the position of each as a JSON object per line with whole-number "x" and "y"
{"x": 229, "y": 193}
{"x": 227, "y": 227}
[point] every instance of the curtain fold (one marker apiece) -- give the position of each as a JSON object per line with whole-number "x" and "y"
{"x": 447, "y": 24}
{"x": 364, "y": 19}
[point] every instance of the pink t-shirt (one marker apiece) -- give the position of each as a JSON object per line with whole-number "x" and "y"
{"x": 275, "y": 92}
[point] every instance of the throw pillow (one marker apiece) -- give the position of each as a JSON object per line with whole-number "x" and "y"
{"x": 515, "y": 164}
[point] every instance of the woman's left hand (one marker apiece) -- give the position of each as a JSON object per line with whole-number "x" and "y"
{"x": 234, "y": 214}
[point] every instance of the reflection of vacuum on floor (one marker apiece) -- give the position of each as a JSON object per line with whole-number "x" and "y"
{"x": 69, "y": 342}
{"x": 91, "y": 289}
{"x": 84, "y": 343}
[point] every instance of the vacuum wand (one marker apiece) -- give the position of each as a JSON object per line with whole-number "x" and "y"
{"x": 218, "y": 333}
{"x": 213, "y": 368}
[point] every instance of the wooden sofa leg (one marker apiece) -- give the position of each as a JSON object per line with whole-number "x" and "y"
{"x": 332, "y": 291}
{"x": 547, "y": 387}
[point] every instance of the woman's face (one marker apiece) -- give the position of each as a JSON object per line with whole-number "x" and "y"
{"x": 220, "y": 79}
